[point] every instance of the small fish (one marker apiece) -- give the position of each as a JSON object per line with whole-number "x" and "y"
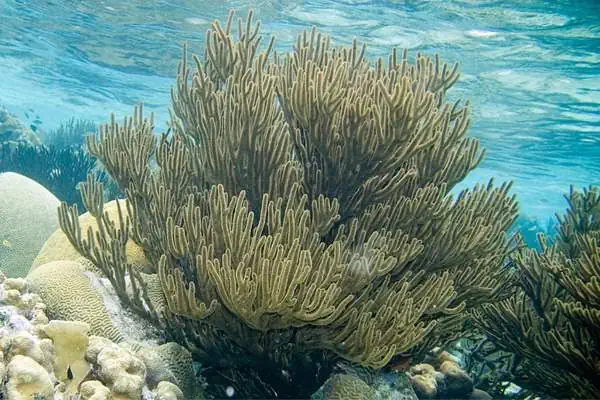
{"x": 37, "y": 120}
{"x": 6, "y": 243}
{"x": 69, "y": 373}
{"x": 26, "y": 114}
{"x": 33, "y": 127}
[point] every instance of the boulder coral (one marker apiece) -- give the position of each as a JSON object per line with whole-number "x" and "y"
{"x": 169, "y": 362}
{"x": 24, "y": 225}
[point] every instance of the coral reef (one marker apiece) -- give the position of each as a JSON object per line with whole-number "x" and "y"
{"x": 55, "y": 359}
{"x": 70, "y": 133}
{"x": 488, "y": 366}
{"x": 381, "y": 384}
{"x": 551, "y": 323}
{"x": 24, "y": 225}
{"x": 60, "y": 162}
{"x": 300, "y": 210}
{"x": 58, "y": 170}
{"x": 13, "y": 132}
{"x": 26, "y": 379}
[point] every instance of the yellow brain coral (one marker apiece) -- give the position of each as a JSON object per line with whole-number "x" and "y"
{"x": 58, "y": 247}
{"x": 69, "y": 295}
{"x": 342, "y": 387}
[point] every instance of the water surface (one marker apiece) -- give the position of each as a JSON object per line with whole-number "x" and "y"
{"x": 531, "y": 69}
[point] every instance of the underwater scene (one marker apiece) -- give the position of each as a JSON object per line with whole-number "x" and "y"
{"x": 277, "y": 199}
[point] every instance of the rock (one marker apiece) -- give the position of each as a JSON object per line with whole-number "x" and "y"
{"x": 28, "y": 216}
{"x": 478, "y": 394}
{"x": 458, "y": 382}
{"x": 27, "y": 378}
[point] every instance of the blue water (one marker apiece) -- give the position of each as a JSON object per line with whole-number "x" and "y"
{"x": 530, "y": 68}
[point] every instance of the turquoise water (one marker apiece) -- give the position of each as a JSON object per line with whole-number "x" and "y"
{"x": 531, "y": 69}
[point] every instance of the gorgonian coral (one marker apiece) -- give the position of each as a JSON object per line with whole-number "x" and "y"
{"x": 300, "y": 206}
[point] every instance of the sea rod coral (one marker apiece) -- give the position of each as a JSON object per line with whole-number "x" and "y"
{"x": 300, "y": 210}
{"x": 551, "y": 323}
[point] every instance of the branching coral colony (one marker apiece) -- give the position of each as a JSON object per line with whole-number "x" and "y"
{"x": 552, "y": 323}
{"x": 300, "y": 210}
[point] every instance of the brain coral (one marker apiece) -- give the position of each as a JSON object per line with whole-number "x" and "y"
{"x": 27, "y": 218}
{"x": 69, "y": 295}
{"x": 172, "y": 359}
{"x": 343, "y": 387}
{"x": 58, "y": 247}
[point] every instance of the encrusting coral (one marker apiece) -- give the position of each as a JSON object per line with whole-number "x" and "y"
{"x": 552, "y": 322}
{"x": 300, "y": 209}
